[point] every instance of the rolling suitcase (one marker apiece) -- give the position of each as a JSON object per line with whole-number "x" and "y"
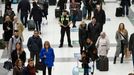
{"x": 31, "y": 25}
{"x": 103, "y": 63}
{"x": 119, "y": 12}
{"x": 57, "y": 13}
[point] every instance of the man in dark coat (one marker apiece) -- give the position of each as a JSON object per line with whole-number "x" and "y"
{"x": 93, "y": 30}
{"x": 37, "y": 15}
{"x": 125, "y": 4}
{"x": 34, "y": 45}
{"x": 24, "y": 7}
{"x": 131, "y": 46}
{"x": 100, "y": 16}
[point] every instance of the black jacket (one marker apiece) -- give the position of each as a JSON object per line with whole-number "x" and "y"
{"x": 14, "y": 57}
{"x": 8, "y": 30}
{"x": 93, "y": 32}
{"x": 131, "y": 43}
{"x": 100, "y": 16}
{"x": 92, "y": 51}
{"x": 36, "y": 13}
{"x": 24, "y": 6}
{"x": 34, "y": 44}
{"x": 82, "y": 35}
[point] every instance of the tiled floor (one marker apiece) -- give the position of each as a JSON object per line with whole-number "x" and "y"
{"x": 65, "y": 60}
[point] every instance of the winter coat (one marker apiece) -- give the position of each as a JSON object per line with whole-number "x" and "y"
{"x": 36, "y": 13}
{"x": 131, "y": 43}
{"x": 93, "y": 31}
{"x": 17, "y": 71}
{"x": 24, "y": 6}
{"x": 50, "y": 56}
{"x": 82, "y": 35}
{"x": 8, "y": 30}
{"x": 100, "y": 16}
{"x": 103, "y": 45}
{"x": 92, "y": 51}
{"x": 34, "y": 44}
{"x": 118, "y": 40}
{"x": 29, "y": 70}
{"x": 14, "y": 57}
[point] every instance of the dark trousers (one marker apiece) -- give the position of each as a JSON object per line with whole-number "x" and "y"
{"x": 35, "y": 54}
{"x": 86, "y": 11}
{"x": 81, "y": 46}
{"x": 23, "y": 18}
{"x": 125, "y": 10}
{"x": 133, "y": 58}
{"x": 101, "y": 27}
{"x": 49, "y": 70}
{"x": 86, "y": 71}
{"x": 74, "y": 20}
{"x": 38, "y": 25}
{"x": 122, "y": 52}
{"x": 63, "y": 30}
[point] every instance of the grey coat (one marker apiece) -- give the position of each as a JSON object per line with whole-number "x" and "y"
{"x": 118, "y": 40}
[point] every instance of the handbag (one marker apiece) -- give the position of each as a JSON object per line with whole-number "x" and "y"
{"x": 8, "y": 65}
{"x": 125, "y": 42}
{"x": 40, "y": 66}
{"x": 127, "y": 53}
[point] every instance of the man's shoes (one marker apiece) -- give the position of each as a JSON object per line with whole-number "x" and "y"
{"x": 70, "y": 46}
{"x": 60, "y": 46}
{"x": 36, "y": 71}
{"x": 74, "y": 26}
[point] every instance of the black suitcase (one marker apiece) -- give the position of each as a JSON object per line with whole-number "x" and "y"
{"x": 57, "y": 13}
{"x": 119, "y": 12}
{"x": 79, "y": 15}
{"x": 52, "y": 2}
{"x": 103, "y": 64}
{"x": 31, "y": 25}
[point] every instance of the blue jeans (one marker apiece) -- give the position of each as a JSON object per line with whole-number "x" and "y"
{"x": 86, "y": 71}
{"x": 74, "y": 19}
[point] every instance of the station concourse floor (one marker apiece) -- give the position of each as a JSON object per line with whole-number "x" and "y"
{"x": 64, "y": 57}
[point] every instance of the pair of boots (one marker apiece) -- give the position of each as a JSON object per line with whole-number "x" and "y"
{"x": 116, "y": 58}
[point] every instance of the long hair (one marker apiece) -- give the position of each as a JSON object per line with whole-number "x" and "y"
{"x": 20, "y": 47}
{"x": 7, "y": 17}
{"x": 123, "y": 29}
{"x": 47, "y": 43}
{"x": 17, "y": 62}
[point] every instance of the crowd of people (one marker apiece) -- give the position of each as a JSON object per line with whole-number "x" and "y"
{"x": 93, "y": 41}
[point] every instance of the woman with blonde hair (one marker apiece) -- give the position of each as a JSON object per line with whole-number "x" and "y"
{"x": 122, "y": 41}
{"x": 82, "y": 35}
{"x": 18, "y": 26}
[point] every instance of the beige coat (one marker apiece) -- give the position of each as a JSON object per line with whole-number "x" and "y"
{"x": 103, "y": 45}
